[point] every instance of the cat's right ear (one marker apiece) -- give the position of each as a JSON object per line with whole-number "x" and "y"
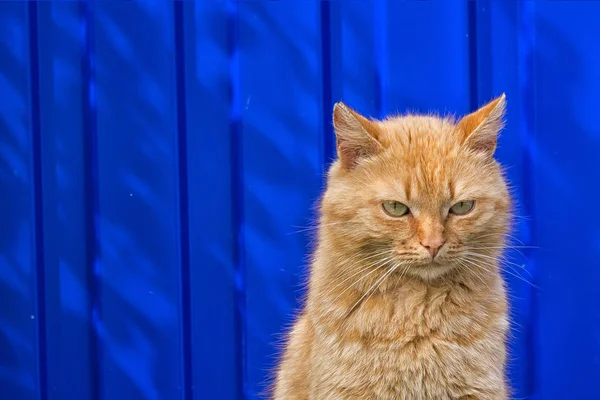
{"x": 356, "y": 136}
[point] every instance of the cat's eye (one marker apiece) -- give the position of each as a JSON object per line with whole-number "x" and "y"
{"x": 395, "y": 208}
{"x": 462, "y": 207}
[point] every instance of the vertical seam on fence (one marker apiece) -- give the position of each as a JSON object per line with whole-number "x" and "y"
{"x": 473, "y": 55}
{"x": 380, "y": 49}
{"x": 237, "y": 195}
{"x": 526, "y": 61}
{"x": 485, "y": 65}
{"x": 38, "y": 200}
{"x": 91, "y": 194}
{"x": 184, "y": 238}
{"x": 327, "y": 152}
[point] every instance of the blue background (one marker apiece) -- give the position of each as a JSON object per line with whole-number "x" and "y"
{"x": 159, "y": 164}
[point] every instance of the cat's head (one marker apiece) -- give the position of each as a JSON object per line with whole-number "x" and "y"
{"x": 422, "y": 192}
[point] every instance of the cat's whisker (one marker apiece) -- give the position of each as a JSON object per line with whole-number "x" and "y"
{"x": 474, "y": 272}
{"x": 501, "y": 235}
{"x": 499, "y": 258}
{"x": 514, "y": 273}
{"x": 359, "y": 263}
{"x": 482, "y": 267}
{"x": 378, "y": 267}
{"x": 502, "y": 256}
{"x": 515, "y": 270}
{"x": 477, "y": 268}
{"x": 505, "y": 247}
{"x": 404, "y": 271}
{"x": 374, "y": 287}
{"x": 478, "y": 265}
{"x": 502, "y": 261}
{"x": 391, "y": 270}
{"x": 482, "y": 258}
{"x": 511, "y": 296}
{"x": 360, "y": 270}
{"x": 317, "y": 226}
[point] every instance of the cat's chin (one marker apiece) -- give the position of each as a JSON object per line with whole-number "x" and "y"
{"x": 431, "y": 271}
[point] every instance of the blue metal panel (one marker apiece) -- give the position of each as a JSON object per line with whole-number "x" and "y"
{"x": 281, "y": 157}
{"x": 138, "y": 197}
{"x": 430, "y": 70}
{"x": 566, "y": 145}
{"x": 70, "y": 366}
{"x": 213, "y": 242}
{"x": 20, "y": 206}
{"x": 355, "y": 43}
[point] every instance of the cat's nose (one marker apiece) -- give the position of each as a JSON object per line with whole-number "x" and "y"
{"x": 433, "y": 244}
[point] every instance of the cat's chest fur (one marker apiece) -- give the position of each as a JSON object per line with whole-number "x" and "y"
{"x": 413, "y": 342}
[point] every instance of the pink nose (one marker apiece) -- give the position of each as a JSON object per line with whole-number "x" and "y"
{"x": 433, "y": 245}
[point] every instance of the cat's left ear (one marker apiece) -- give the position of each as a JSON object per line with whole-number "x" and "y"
{"x": 481, "y": 128}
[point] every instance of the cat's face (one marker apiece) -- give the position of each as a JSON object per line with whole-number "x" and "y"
{"x": 418, "y": 195}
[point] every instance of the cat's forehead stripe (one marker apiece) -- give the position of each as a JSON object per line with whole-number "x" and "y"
{"x": 408, "y": 187}
{"x": 451, "y": 189}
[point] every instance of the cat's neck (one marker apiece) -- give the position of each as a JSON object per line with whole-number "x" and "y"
{"x": 344, "y": 308}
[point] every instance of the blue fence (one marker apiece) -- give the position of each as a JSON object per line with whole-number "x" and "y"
{"x": 159, "y": 162}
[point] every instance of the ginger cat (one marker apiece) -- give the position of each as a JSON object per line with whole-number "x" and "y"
{"x": 405, "y": 297}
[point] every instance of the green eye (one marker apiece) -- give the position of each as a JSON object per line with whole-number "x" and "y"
{"x": 462, "y": 207}
{"x": 395, "y": 208}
